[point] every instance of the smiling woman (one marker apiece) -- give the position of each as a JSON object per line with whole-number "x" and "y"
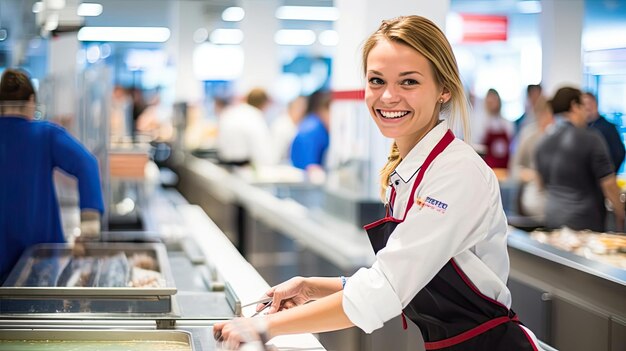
{"x": 440, "y": 265}
{"x": 402, "y": 94}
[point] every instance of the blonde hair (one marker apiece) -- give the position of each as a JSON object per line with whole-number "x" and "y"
{"x": 426, "y": 38}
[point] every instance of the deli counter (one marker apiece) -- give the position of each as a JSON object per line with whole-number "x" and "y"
{"x": 134, "y": 290}
{"x": 287, "y": 227}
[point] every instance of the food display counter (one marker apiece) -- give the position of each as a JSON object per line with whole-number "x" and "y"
{"x": 287, "y": 232}
{"x": 165, "y": 292}
{"x": 571, "y": 300}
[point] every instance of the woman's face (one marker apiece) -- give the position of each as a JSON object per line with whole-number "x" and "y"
{"x": 401, "y": 92}
{"x": 492, "y": 104}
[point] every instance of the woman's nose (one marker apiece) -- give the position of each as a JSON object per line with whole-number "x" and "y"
{"x": 390, "y": 94}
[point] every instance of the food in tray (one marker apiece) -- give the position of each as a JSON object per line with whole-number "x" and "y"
{"x": 145, "y": 261}
{"x": 145, "y": 278}
{"x": 603, "y": 247}
{"x": 113, "y": 271}
{"x": 79, "y": 272}
{"x": 44, "y": 272}
{"x": 140, "y": 270}
{"x": 62, "y": 345}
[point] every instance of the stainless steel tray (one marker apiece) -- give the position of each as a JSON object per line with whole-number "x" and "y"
{"x": 57, "y": 256}
{"x": 147, "y": 339}
{"x": 16, "y": 296}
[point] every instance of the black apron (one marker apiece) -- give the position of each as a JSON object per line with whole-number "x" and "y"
{"x": 450, "y": 311}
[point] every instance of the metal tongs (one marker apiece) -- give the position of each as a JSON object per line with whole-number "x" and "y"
{"x": 267, "y": 301}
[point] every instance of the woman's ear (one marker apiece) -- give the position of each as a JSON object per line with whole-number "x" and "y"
{"x": 445, "y": 95}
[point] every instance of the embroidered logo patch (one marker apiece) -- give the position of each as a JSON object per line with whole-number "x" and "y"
{"x": 431, "y": 203}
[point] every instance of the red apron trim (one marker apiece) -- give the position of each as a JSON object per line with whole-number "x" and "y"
{"x": 469, "y": 283}
{"x": 381, "y": 221}
{"x": 441, "y": 145}
{"x": 405, "y": 325}
{"x": 530, "y": 340}
{"x": 490, "y": 324}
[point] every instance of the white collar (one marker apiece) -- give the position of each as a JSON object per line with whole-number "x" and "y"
{"x": 416, "y": 157}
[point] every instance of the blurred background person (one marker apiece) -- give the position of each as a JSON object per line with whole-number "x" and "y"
{"x": 575, "y": 167}
{"x": 148, "y": 123}
{"x": 29, "y": 153}
{"x": 606, "y": 128}
{"x": 200, "y": 134}
{"x": 498, "y": 132}
{"x": 285, "y": 127}
{"x": 533, "y": 93}
{"x": 138, "y": 107}
{"x": 311, "y": 142}
{"x": 243, "y": 136}
{"x": 531, "y": 195}
{"x": 120, "y": 106}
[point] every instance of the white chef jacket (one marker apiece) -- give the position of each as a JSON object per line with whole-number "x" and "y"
{"x": 462, "y": 219}
{"x": 243, "y": 135}
{"x": 283, "y": 131}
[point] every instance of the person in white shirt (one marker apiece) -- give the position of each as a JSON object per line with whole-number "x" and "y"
{"x": 441, "y": 251}
{"x": 285, "y": 127}
{"x": 243, "y": 136}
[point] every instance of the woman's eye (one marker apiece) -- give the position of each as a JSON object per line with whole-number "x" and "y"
{"x": 409, "y": 82}
{"x": 376, "y": 81}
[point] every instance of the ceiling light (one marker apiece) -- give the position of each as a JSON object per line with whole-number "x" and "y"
{"x": 105, "y": 51}
{"x": 125, "y": 34}
{"x": 329, "y": 38}
{"x": 89, "y": 9}
{"x": 93, "y": 54}
{"x": 233, "y": 14}
{"x": 307, "y": 13}
{"x": 226, "y": 36}
{"x": 294, "y": 37}
{"x": 217, "y": 62}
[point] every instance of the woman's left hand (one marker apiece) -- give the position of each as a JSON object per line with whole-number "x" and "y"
{"x": 232, "y": 335}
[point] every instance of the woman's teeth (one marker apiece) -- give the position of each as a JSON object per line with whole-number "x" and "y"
{"x": 398, "y": 114}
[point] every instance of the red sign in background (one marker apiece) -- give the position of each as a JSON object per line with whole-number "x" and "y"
{"x": 481, "y": 28}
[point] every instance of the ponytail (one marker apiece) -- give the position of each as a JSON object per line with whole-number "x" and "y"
{"x": 392, "y": 162}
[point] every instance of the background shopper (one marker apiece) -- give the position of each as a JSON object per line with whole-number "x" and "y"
{"x": 29, "y": 153}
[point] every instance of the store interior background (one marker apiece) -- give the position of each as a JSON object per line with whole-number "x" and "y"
{"x": 199, "y": 55}
{"x": 306, "y": 67}
{"x": 204, "y": 54}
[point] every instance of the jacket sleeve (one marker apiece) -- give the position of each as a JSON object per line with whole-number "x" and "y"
{"x": 72, "y": 157}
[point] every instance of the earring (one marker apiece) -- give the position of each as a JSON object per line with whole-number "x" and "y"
{"x": 441, "y": 101}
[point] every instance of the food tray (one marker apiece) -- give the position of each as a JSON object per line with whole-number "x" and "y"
{"x": 90, "y": 340}
{"x": 43, "y": 266}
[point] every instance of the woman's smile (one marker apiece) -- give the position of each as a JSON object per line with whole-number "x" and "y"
{"x": 392, "y": 114}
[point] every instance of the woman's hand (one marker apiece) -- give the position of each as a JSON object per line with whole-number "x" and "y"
{"x": 232, "y": 335}
{"x": 291, "y": 293}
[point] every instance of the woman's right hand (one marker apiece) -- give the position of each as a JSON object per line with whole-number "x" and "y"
{"x": 291, "y": 293}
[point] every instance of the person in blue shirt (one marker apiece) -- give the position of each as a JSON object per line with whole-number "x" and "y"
{"x": 607, "y": 129}
{"x": 311, "y": 142}
{"x": 29, "y": 152}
